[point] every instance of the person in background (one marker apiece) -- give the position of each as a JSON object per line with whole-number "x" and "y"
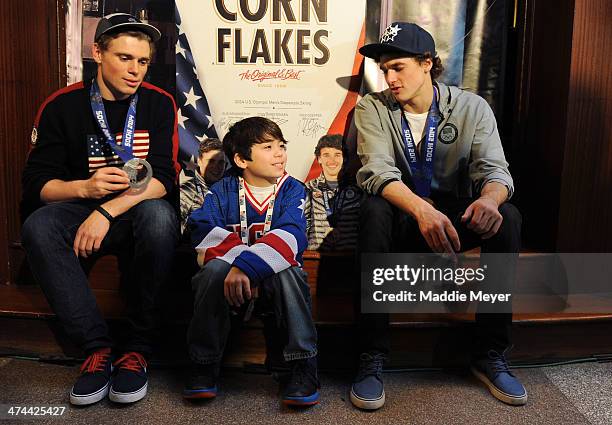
{"x": 332, "y": 204}
{"x": 211, "y": 166}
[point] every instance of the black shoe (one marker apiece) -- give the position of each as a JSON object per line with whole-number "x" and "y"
{"x": 130, "y": 380}
{"x": 367, "y": 391}
{"x": 92, "y": 385}
{"x": 301, "y": 390}
{"x": 202, "y": 381}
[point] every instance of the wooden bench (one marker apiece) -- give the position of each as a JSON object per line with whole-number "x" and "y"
{"x": 416, "y": 337}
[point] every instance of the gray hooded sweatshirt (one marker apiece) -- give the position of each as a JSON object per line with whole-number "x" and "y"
{"x": 468, "y": 151}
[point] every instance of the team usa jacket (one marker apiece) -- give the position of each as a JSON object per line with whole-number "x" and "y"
{"x": 215, "y": 228}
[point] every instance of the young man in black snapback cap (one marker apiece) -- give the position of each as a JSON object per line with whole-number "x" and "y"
{"x": 437, "y": 179}
{"x": 102, "y": 164}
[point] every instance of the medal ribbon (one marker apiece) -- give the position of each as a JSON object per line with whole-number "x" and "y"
{"x": 422, "y": 169}
{"x": 244, "y": 229}
{"x": 124, "y": 149}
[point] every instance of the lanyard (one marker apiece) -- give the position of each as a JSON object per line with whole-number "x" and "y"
{"x": 328, "y": 209}
{"x": 244, "y": 230}
{"x": 124, "y": 148}
{"x": 422, "y": 170}
{"x": 198, "y": 186}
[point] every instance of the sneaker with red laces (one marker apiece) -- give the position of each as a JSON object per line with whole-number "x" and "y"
{"x": 94, "y": 381}
{"x": 130, "y": 379}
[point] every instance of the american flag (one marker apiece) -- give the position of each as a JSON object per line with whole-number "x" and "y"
{"x": 194, "y": 118}
{"x": 100, "y": 154}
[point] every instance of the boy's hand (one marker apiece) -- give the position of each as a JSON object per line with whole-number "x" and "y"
{"x": 237, "y": 287}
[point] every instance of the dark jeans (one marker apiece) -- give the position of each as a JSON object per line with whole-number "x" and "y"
{"x": 144, "y": 239}
{"x": 384, "y": 228}
{"x": 286, "y": 293}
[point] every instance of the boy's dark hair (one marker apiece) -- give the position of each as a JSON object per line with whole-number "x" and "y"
{"x": 247, "y": 132}
{"x": 329, "y": 141}
{"x": 105, "y": 39}
{"x": 207, "y": 145}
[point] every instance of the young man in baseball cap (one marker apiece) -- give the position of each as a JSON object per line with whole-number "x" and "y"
{"x": 437, "y": 179}
{"x": 95, "y": 183}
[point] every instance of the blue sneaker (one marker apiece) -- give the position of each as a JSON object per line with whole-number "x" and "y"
{"x": 202, "y": 381}
{"x": 494, "y": 372}
{"x": 302, "y": 388}
{"x": 367, "y": 391}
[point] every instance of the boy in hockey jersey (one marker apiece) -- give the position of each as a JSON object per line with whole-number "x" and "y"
{"x": 250, "y": 235}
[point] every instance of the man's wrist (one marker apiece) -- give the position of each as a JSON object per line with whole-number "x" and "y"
{"x": 496, "y": 191}
{"x": 491, "y": 198}
{"x": 417, "y": 206}
{"x": 104, "y": 213}
{"x": 81, "y": 189}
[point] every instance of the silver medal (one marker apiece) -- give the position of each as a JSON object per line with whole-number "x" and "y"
{"x": 139, "y": 172}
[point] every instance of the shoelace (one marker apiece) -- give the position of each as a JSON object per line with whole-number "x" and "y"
{"x": 131, "y": 361}
{"x": 370, "y": 365}
{"x": 96, "y": 362}
{"x": 498, "y": 363}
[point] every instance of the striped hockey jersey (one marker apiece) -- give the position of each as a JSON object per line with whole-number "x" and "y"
{"x": 215, "y": 228}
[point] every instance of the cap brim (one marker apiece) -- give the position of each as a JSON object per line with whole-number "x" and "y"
{"x": 150, "y": 30}
{"x": 376, "y": 50}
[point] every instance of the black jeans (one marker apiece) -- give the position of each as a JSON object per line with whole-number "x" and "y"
{"x": 384, "y": 228}
{"x": 144, "y": 239}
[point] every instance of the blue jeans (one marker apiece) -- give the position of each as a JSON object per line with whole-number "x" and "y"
{"x": 143, "y": 238}
{"x": 286, "y": 293}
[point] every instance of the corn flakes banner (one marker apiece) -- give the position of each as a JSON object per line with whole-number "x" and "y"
{"x": 292, "y": 61}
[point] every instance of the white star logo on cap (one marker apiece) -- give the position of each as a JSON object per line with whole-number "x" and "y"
{"x": 390, "y": 33}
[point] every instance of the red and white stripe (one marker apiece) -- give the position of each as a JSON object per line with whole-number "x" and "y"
{"x": 221, "y": 244}
{"x": 278, "y": 249}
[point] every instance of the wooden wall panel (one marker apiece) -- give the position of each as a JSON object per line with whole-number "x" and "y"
{"x": 545, "y": 33}
{"x": 32, "y": 65}
{"x": 585, "y": 223}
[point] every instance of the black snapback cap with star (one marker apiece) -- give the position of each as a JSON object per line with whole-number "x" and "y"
{"x": 119, "y": 22}
{"x": 401, "y": 37}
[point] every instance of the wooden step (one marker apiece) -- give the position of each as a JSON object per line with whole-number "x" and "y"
{"x": 328, "y": 310}
{"x": 27, "y": 323}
